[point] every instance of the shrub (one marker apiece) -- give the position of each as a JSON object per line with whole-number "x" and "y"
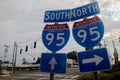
{"x": 104, "y": 76}
{"x": 86, "y": 77}
{"x": 115, "y": 76}
{"x": 117, "y": 69}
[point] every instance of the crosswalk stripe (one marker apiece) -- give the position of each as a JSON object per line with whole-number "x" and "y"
{"x": 76, "y": 76}
{"x": 57, "y": 76}
{"x": 69, "y": 76}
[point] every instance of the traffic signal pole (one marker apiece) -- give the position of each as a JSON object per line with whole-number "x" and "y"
{"x": 14, "y": 58}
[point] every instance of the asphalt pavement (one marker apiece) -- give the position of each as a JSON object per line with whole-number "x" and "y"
{"x": 71, "y": 74}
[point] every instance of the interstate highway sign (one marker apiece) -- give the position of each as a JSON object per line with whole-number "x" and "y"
{"x": 89, "y": 32}
{"x": 53, "y": 63}
{"x": 55, "y": 36}
{"x": 72, "y": 14}
{"x": 93, "y": 60}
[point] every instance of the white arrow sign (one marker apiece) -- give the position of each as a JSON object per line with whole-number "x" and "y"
{"x": 97, "y": 59}
{"x": 53, "y": 63}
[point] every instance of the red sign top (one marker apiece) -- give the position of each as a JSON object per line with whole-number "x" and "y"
{"x": 86, "y": 21}
{"x": 56, "y": 26}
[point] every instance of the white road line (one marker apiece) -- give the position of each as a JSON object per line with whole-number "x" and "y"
{"x": 76, "y": 76}
{"x": 56, "y": 76}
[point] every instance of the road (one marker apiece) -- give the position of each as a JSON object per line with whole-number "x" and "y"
{"x": 71, "y": 74}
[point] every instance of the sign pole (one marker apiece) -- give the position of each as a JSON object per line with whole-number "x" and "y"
{"x": 54, "y": 37}
{"x": 51, "y": 74}
{"x": 95, "y": 73}
{"x": 96, "y": 77}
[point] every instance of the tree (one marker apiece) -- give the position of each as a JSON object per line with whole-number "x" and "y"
{"x": 72, "y": 55}
{"x": 38, "y": 60}
{"x": 24, "y": 61}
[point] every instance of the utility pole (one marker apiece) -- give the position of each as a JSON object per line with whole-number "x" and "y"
{"x": 14, "y": 58}
{"x": 115, "y": 53}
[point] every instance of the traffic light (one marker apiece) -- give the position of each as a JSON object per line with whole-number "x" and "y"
{"x": 20, "y": 51}
{"x": 26, "y": 48}
{"x": 34, "y": 44}
{"x": 34, "y": 58}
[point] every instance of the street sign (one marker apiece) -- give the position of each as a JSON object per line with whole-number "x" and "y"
{"x": 55, "y": 36}
{"x": 57, "y": 16}
{"x": 85, "y": 11}
{"x": 89, "y": 32}
{"x": 53, "y": 63}
{"x": 72, "y": 14}
{"x": 93, "y": 60}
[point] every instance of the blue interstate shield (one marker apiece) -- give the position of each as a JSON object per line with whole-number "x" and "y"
{"x": 88, "y": 33}
{"x": 55, "y": 36}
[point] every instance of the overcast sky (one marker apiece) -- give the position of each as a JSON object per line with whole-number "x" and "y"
{"x": 23, "y": 21}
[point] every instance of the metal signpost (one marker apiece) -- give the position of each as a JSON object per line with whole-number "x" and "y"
{"x": 88, "y": 33}
{"x": 54, "y": 37}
